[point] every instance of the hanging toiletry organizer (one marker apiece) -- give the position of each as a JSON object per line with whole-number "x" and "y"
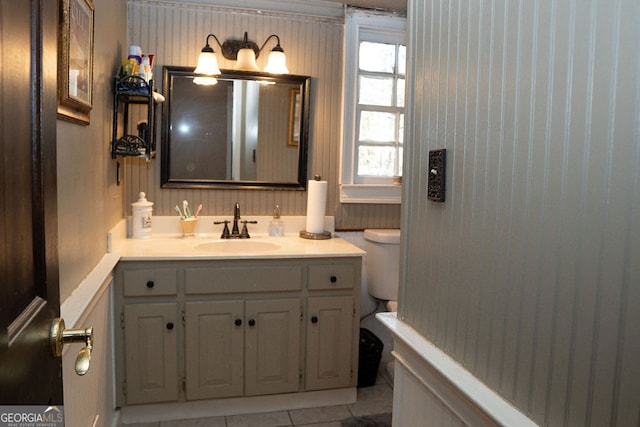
{"x": 128, "y": 91}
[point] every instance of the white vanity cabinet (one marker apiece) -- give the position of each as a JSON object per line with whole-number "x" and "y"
{"x": 211, "y": 329}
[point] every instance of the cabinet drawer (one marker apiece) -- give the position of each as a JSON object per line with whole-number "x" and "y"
{"x": 242, "y": 279}
{"x": 331, "y": 276}
{"x": 157, "y": 281}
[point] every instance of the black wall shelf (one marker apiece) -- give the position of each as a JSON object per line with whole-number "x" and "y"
{"x": 128, "y": 91}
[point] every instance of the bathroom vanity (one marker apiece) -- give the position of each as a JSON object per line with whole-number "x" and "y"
{"x": 205, "y": 318}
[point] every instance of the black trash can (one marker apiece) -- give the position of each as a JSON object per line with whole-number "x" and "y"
{"x": 368, "y": 358}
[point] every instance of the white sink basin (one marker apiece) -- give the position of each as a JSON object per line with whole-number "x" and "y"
{"x": 239, "y": 246}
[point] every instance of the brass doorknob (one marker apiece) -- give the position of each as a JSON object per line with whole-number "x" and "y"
{"x": 59, "y": 336}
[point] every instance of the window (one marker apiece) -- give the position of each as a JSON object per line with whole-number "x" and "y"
{"x": 374, "y": 108}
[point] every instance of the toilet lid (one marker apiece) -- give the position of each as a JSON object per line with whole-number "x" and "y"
{"x": 383, "y": 235}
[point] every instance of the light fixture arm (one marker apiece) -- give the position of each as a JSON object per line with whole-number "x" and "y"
{"x": 207, "y": 47}
{"x": 278, "y": 48}
{"x": 214, "y": 36}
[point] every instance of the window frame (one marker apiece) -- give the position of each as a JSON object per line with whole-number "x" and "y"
{"x": 375, "y": 27}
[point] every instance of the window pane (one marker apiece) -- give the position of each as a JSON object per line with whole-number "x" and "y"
{"x": 402, "y": 60}
{"x": 377, "y": 126}
{"x": 376, "y": 161}
{"x": 400, "y": 93}
{"x": 401, "y": 129}
{"x": 378, "y": 57}
{"x": 376, "y": 91}
{"x": 400, "y": 157}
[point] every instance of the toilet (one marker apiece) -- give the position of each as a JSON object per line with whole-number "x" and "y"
{"x": 383, "y": 265}
{"x": 382, "y": 271}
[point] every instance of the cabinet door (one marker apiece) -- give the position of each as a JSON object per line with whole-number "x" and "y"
{"x": 214, "y": 349}
{"x": 151, "y": 352}
{"x": 272, "y": 352}
{"x": 329, "y": 326}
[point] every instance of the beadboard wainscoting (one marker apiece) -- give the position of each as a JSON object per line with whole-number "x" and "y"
{"x": 433, "y": 390}
{"x": 527, "y": 275}
{"x": 89, "y": 400}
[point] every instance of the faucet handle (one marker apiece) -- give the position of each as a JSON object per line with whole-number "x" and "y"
{"x": 225, "y": 231}
{"x": 244, "y": 234}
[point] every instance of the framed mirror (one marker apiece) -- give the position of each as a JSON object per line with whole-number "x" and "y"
{"x": 249, "y": 130}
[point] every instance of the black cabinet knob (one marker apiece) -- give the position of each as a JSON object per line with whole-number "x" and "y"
{"x": 252, "y": 322}
{"x": 314, "y": 319}
{"x": 150, "y": 284}
{"x": 170, "y": 325}
{"x": 333, "y": 279}
{"x": 238, "y": 322}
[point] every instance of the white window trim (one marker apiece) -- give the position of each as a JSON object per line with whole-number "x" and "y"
{"x": 371, "y": 193}
{"x": 350, "y": 192}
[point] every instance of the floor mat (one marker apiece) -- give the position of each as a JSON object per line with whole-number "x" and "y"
{"x": 380, "y": 420}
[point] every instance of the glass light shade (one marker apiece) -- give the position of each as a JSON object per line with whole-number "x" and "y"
{"x": 246, "y": 60}
{"x": 277, "y": 63}
{"x": 205, "y": 81}
{"x": 207, "y": 64}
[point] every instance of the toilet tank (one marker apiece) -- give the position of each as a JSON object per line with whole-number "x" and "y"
{"x": 383, "y": 263}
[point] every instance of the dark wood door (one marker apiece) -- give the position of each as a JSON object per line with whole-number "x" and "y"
{"x": 29, "y": 294}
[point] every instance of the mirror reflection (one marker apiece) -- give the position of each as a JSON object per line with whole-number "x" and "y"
{"x": 248, "y": 130}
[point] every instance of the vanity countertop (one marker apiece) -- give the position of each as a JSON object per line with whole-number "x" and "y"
{"x": 210, "y": 247}
{"x": 169, "y": 244}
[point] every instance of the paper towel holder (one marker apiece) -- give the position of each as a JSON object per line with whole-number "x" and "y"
{"x": 315, "y": 236}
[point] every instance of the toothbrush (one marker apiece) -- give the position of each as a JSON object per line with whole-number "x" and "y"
{"x": 198, "y": 210}
{"x": 185, "y": 207}
{"x": 179, "y": 212}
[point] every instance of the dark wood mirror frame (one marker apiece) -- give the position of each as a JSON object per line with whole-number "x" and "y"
{"x": 170, "y": 179}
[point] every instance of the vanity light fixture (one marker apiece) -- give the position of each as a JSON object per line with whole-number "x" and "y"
{"x": 244, "y": 52}
{"x": 207, "y": 64}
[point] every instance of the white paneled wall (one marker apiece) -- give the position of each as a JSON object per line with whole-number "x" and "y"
{"x": 176, "y": 32}
{"x": 529, "y": 273}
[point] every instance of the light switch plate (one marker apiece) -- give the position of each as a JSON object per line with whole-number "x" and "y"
{"x": 437, "y": 175}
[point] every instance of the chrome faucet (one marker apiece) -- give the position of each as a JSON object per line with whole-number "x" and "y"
{"x": 235, "y": 230}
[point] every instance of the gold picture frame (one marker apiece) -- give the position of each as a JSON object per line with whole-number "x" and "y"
{"x": 75, "y": 60}
{"x": 295, "y": 105}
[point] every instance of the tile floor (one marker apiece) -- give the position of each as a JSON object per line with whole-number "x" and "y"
{"x": 376, "y": 399}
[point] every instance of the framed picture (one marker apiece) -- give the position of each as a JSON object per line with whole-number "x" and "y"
{"x": 75, "y": 60}
{"x": 294, "y": 117}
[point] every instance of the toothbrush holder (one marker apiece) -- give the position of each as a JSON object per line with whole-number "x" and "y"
{"x": 188, "y": 226}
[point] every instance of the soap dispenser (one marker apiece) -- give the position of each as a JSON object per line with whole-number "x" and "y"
{"x": 276, "y": 226}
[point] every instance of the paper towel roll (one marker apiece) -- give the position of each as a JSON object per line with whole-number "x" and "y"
{"x": 316, "y": 203}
